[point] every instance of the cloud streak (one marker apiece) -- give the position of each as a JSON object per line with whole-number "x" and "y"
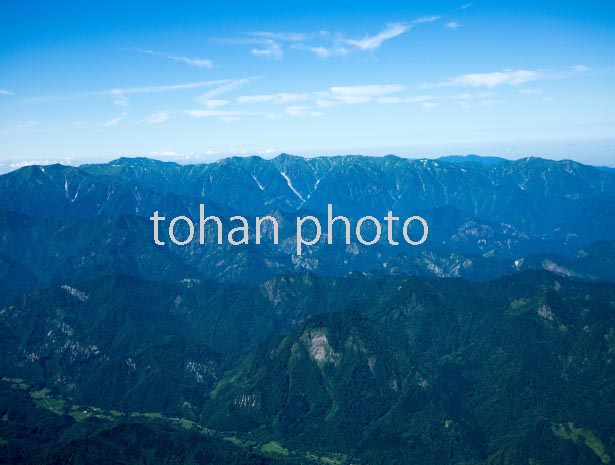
{"x": 271, "y": 50}
{"x": 374, "y": 42}
{"x": 155, "y": 118}
{"x": 114, "y": 121}
{"x": 226, "y": 87}
{"x": 508, "y": 77}
{"x": 6, "y": 92}
{"x": 196, "y": 62}
{"x": 119, "y": 94}
{"x": 322, "y": 44}
{"x": 18, "y": 127}
{"x": 359, "y": 93}
{"x": 279, "y": 98}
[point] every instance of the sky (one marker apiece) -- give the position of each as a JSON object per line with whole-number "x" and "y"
{"x": 198, "y": 81}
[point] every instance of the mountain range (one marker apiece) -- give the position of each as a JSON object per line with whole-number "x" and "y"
{"x": 492, "y": 343}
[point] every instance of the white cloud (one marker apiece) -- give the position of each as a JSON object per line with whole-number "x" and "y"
{"x": 529, "y": 91}
{"x": 271, "y": 50}
{"x": 119, "y": 94}
{"x": 465, "y": 6}
{"x": 228, "y": 119}
{"x": 391, "y": 31}
{"x": 279, "y": 98}
{"x": 412, "y": 99}
{"x": 360, "y": 94}
{"x": 18, "y": 127}
{"x": 164, "y": 154}
{"x": 197, "y": 62}
{"x": 114, "y": 121}
{"x": 160, "y": 89}
{"x": 214, "y": 113}
{"x": 299, "y": 110}
{"x": 507, "y": 77}
{"x": 490, "y": 80}
{"x": 214, "y": 103}
{"x": 21, "y": 164}
{"x": 322, "y": 44}
{"x": 328, "y": 52}
{"x": 155, "y": 118}
{"x": 373, "y": 42}
{"x": 452, "y": 25}
{"x": 489, "y": 102}
{"x": 429, "y": 105}
{"x": 121, "y": 102}
{"x": 283, "y": 36}
{"x": 6, "y": 92}
{"x": 426, "y": 19}
{"x": 324, "y": 103}
{"x": 228, "y": 86}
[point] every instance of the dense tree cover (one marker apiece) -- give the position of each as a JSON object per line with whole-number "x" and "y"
{"x": 383, "y": 369}
{"x": 34, "y": 436}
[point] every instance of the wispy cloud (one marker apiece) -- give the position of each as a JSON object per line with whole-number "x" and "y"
{"x": 328, "y": 52}
{"x": 197, "y": 62}
{"x": 119, "y": 94}
{"x": 283, "y": 36}
{"x": 300, "y": 110}
{"x": 271, "y": 44}
{"x": 155, "y": 118}
{"x": 113, "y": 121}
{"x": 160, "y": 89}
{"x": 322, "y": 44}
{"x": 226, "y": 87}
{"x": 529, "y": 91}
{"x": 18, "y": 127}
{"x": 452, "y": 25}
{"x": 490, "y": 80}
{"x": 6, "y": 92}
{"x": 428, "y": 101}
{"x": 359, "y": 94}
{"x": 508, "y": 77}
{"x": 411, "y": 99}
{"x": 426, "y": 19}
{"x": 280, "y": 98}
{"x": 465, "y": 6}
{"x": 214, "y": 103}
{"x": 373, "y": 42}
{"x": 224, "y": 115}
{"x": 271, "y": 49}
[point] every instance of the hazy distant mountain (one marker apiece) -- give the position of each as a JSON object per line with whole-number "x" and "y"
{"x": 485, "y": 215}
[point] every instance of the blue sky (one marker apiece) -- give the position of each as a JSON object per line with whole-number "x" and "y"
{"x": 198, "y": 81}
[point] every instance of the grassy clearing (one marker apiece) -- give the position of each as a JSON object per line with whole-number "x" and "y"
{"x": 273, "y": 448}
{"x": 234, "y": 440}
{"x": 571, "y": 433}
{"x": 41, "y": 399}
{"x": 79, "y": 413}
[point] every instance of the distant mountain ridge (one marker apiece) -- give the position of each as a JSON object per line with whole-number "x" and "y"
{"x": 485, "y": 214}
